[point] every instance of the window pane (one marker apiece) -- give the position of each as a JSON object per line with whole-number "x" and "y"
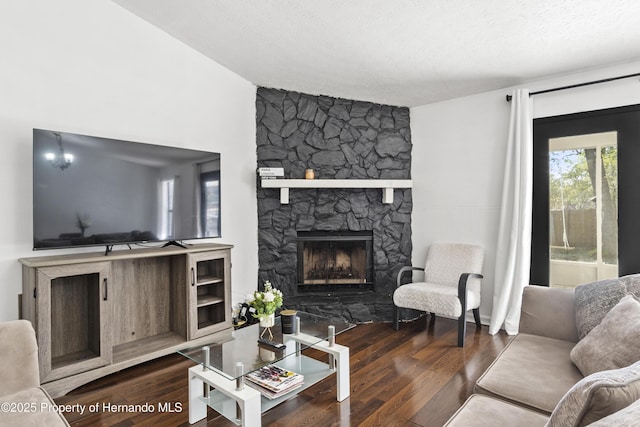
{"x": 610, "y": 204}
{"x": 166, "y": 214}
{"x": 572, "y": 225}
{"x": 210, "y": 203}
{"x": 212, "y": 208}
{"x": 583, "y": 226}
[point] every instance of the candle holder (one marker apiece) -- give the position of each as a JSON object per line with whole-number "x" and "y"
{"x": 309, "y": 174}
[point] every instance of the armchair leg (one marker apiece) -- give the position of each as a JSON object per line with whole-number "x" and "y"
{"x": 462, "y": 329}
{"x": 476, "y": 316}
{"x": 396, "y": 317}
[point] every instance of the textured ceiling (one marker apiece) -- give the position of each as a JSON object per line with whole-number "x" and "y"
{"x": 400, "y": 52}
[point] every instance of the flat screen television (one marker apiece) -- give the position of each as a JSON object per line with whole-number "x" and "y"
{"x": 91, "y": 191}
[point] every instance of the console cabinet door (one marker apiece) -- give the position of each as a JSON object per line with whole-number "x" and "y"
{"x": 72, "y": 318}
{"x": 209, "y": 292}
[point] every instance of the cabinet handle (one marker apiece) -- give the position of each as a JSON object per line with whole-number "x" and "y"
{"x": 193, "y": 277}
{"x": 106, "y": 289}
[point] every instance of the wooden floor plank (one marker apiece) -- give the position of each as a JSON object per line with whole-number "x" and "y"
{"x": 416, "y": 376}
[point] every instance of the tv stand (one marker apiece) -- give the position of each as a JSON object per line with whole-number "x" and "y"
{"x": 95, "y": 315}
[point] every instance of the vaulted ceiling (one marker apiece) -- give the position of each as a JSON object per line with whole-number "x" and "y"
{"x": 401, "y": 52}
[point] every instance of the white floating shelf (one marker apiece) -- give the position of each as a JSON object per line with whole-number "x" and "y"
{"x": 387, "y": 185}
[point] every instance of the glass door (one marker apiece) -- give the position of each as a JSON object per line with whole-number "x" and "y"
{"x": 583, "y": 209}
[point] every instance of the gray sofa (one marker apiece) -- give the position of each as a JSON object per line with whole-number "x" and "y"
{"x": 535, "y": 382}
{"x": 23, "y": 401}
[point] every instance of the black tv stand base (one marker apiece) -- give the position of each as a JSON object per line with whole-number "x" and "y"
{"x": 174, "y": 243}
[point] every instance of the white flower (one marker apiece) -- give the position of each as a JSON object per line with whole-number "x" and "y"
{"x": 266, "y": 301}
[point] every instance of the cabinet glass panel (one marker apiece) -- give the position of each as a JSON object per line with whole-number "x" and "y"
{"x": 210, "y": 315}
{"x": 210, "y": 292}
{"x": 210, "y": 271}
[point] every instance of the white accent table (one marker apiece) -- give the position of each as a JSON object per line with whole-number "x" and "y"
{"x": 218, "y": 380}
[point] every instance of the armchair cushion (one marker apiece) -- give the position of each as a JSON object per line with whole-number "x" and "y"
{"x": 446, "y": 261}
{"x": 434, "y": 298}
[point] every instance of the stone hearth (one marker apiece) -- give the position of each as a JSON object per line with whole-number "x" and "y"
{"x": 338, "y": 139}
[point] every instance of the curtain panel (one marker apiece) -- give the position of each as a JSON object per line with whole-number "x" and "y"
{"x": 513, "y": 254}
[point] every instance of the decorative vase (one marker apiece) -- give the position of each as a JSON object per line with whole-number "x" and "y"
{"x": 266, "y": 322}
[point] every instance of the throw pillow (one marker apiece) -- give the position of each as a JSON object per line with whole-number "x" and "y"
{"x": 594, "y": 300}
{"x": 614, "y": 343}
{"x": 597, "y": 396}
{"x": 627, "y": 417}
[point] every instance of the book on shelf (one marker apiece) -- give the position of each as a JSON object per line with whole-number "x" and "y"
{"x": 274, "y": 381}
{"x": 271, "y": 173}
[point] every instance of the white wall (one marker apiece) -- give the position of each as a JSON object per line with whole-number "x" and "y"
{"x": 96, "y": 69}
{"x": 458, "y": 159}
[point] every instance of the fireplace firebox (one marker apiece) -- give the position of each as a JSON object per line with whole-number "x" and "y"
{"x": 335, "y": 260}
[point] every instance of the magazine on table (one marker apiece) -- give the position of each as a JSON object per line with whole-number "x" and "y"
{"x": 271, "y": 394}
{"x": 274, "y": 380}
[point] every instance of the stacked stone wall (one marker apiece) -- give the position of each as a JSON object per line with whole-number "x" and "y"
{"x": 338, "y": 139}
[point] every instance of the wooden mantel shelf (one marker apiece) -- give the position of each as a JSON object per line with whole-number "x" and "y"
{"x": 387, "y": 185}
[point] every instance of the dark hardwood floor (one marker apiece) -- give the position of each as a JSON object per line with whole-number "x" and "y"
{"x": 413, "y": 377}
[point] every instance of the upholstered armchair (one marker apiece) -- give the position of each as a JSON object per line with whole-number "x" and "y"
{"x": 451, "y": 286}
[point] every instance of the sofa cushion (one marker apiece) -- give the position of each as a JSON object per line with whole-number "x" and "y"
{"x": 481, "y": 411}
{"x": 597, "y": 396}
{"x": 38, "y": 409}
{"x": 614, "y": 343}
{"x": 549, "y": 312}
{"x": 594, "y": 300}
{"x": 532, "y": 371}
{"x": 627, "y": 417}
{"x": 19, "y": 348}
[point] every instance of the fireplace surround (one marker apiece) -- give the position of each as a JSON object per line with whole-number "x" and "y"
{"x": 338, "y": 139}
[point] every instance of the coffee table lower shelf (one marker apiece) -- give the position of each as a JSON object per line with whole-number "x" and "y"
{"x": 244, "y": 405}
{"x": 313, "y": 370}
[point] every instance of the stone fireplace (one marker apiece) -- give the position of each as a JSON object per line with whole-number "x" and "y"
{"x": 338, "y": 139}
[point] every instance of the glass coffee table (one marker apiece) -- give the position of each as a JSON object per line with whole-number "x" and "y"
{"x": 218, "y": 381}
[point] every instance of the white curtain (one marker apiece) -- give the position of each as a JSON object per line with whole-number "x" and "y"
{"x": 513, "y": 254}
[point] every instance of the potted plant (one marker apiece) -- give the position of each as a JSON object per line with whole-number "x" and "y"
{"x": 265, "y": 303}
